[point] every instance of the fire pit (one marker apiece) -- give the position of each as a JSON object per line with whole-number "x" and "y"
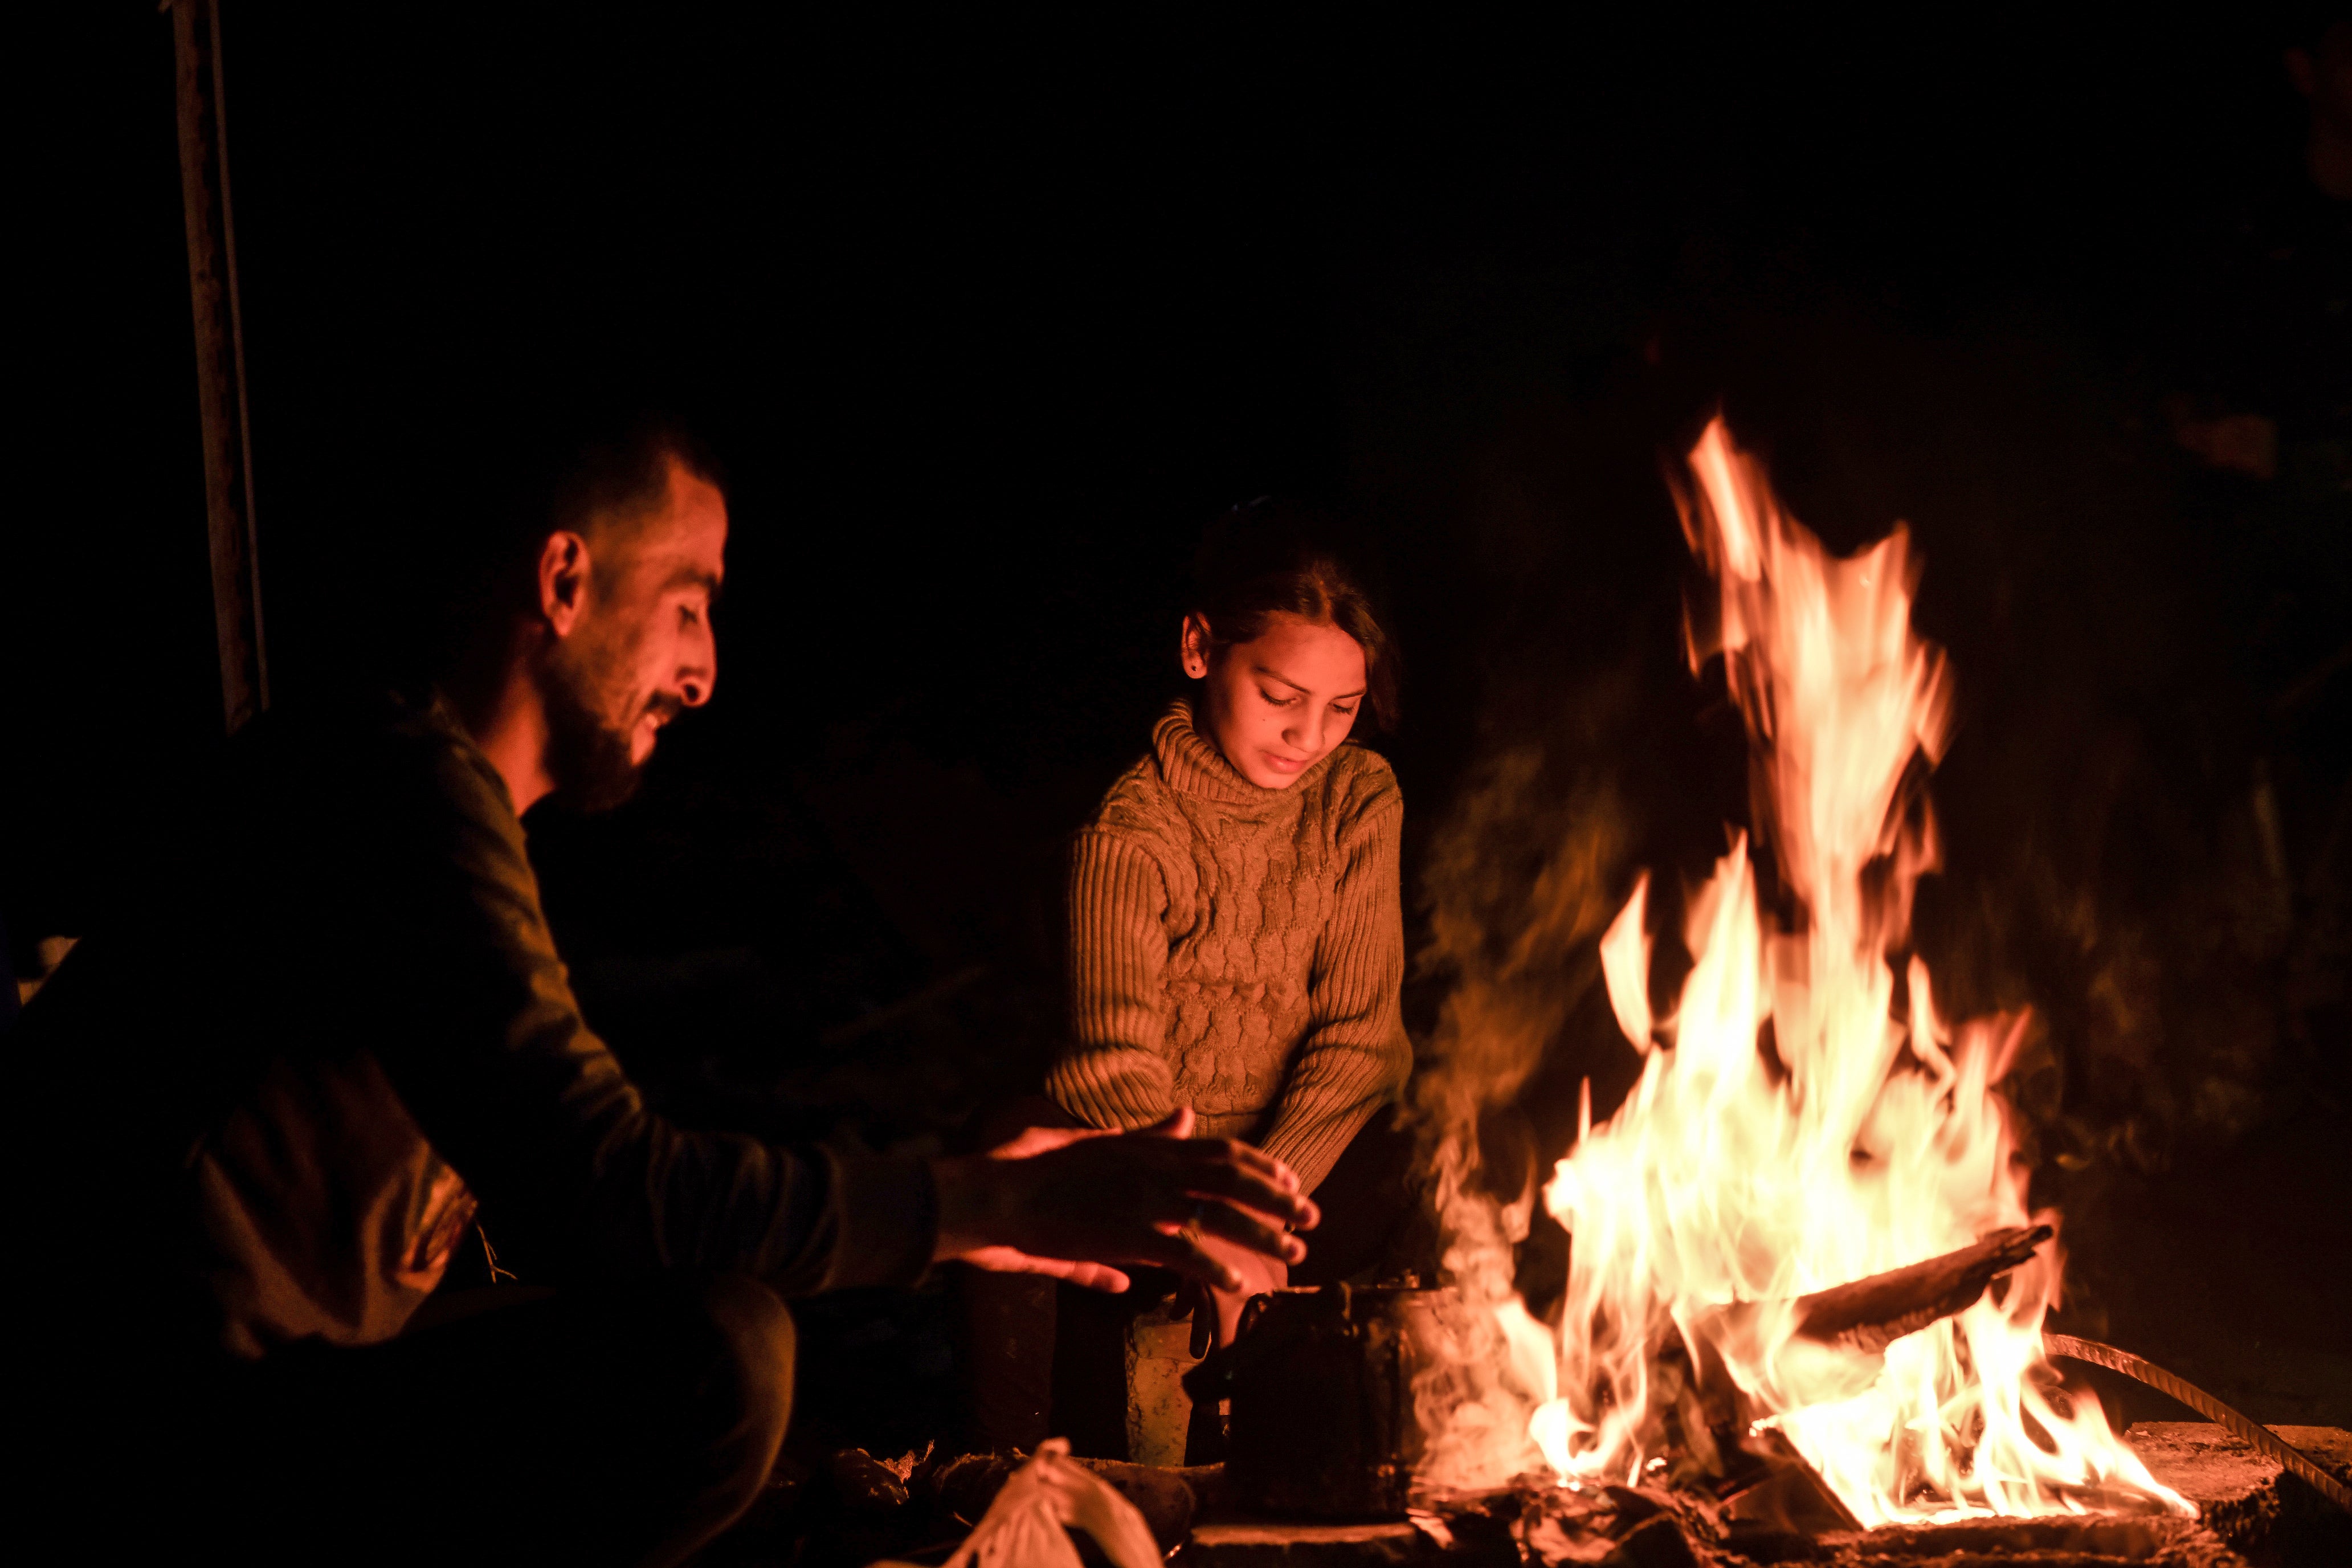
{"x": 2249, "y": 1510}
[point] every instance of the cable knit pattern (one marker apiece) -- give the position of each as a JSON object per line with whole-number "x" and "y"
{"x": 1238, "y": 950}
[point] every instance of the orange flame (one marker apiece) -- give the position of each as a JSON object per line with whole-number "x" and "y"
{"x": 1800, "y": 1122}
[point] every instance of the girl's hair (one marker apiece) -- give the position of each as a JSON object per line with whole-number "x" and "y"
{"x": 1271, "y": 557}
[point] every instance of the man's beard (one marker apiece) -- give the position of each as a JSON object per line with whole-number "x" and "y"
{"x": 587, "y": 757}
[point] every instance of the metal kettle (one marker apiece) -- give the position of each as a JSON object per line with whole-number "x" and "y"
{"x": 1321, "y": 1381}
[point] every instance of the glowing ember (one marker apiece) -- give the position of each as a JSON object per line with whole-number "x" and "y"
{"x": 1802, "y": 1120}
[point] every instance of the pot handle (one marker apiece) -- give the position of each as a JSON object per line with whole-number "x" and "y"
{"x": 1213, "y": 1378}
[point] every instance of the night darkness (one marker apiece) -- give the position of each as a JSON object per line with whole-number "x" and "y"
{"x": 986, "y": 319}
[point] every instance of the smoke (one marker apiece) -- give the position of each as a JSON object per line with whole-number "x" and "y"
{"x": 1519, "y": 881}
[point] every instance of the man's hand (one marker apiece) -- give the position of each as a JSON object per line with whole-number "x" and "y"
{"x": 1076, "y": 1202}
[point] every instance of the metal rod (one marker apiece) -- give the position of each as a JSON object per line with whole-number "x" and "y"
{"x": 2205, "y": 1405}
{"x": 220, "y": 360}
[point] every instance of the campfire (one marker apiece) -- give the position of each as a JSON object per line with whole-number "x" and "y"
{"x": 1805, "y": 1236}
{"x": 1805, "y": 1118}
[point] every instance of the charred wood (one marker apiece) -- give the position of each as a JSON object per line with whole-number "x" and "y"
{"x": 1870, "y": 1314}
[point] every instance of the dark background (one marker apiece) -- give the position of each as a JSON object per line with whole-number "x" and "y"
{"x": 986, "y": 318}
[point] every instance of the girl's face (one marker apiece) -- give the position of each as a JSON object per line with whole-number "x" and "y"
{"x": 1277, "y": 706}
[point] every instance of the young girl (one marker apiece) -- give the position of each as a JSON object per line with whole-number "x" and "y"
{"x": 1236, "y": 939}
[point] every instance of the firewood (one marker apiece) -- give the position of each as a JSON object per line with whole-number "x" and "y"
{"x": 1870, "y": 1314}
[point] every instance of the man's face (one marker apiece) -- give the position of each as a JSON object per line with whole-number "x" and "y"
{"x": 640, "y": 649}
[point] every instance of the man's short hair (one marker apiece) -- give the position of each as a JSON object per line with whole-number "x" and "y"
{"x": 612, "y": 476}
{"x": 503, "y": 482}
{"x": 592, "y": 476}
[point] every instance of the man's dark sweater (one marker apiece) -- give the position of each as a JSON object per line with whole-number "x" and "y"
{"x": 330, "y": 1016}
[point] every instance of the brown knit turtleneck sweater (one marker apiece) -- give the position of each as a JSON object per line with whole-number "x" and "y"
{"x": 1238, "y": 950}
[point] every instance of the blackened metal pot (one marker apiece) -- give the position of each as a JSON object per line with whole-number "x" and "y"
{"x": 1321, "y": 1381}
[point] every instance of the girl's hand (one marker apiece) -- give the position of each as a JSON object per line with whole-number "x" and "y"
{"x": 1217, "y": 1310}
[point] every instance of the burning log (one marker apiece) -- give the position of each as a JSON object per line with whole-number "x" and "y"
{"x": 1862, "y": 1317}
{"x": 1778, "y": 1492}
{"x": 1709, "y": 1413}
{"x": 1870, "y": 1314}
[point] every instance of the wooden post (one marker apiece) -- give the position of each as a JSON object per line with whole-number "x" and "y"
{"x": 220, "y": 360}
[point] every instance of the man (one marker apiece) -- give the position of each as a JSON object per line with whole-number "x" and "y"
{"x": 266, "y": 1098}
